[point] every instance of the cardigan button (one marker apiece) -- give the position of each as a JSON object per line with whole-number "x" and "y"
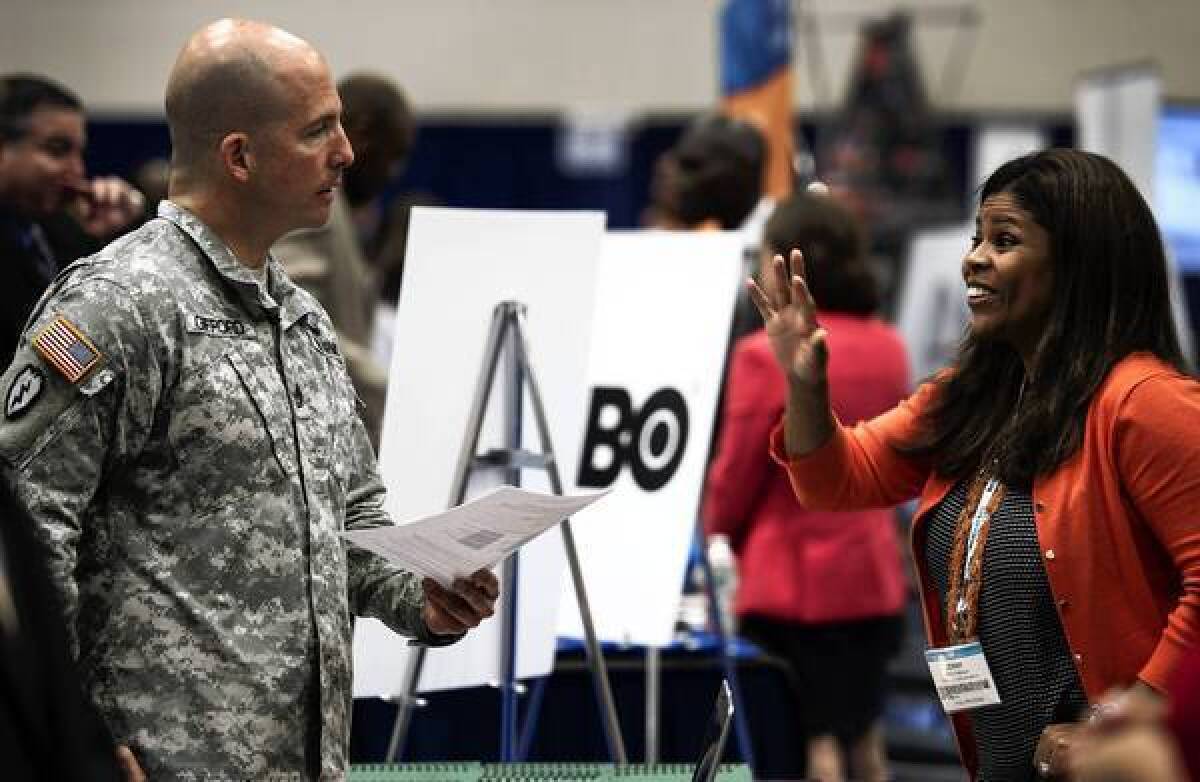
{"x": 1078, "y": 658}
{"x": 1063, "y": 604}
{"x": 1039, "y": 507}
{"x": 1049, "y": 553}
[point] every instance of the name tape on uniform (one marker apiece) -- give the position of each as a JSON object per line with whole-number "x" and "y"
{"x": 212, "y": 326}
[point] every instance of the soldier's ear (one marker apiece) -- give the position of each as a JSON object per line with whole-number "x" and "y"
{"x": 236, "y": 157}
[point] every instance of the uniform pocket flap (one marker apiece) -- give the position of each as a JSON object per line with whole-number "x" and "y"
{"x": 276, "y": 422}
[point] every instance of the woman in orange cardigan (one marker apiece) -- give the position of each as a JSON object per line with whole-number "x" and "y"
{"x": 1057, "y": 462}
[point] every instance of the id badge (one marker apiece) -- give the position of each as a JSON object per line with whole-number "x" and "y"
{"x": 962, "y": 677}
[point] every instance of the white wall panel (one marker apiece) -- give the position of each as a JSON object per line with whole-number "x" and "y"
{"x": 595, "y": 56}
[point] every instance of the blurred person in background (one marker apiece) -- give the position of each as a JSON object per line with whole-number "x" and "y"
{"x": 1127, "y": 739}
{"x": 1132, "y": 739}
{"x": 152, "y": 177}
{"x": 344, "y": 262}
{"x": 821, "y": 591}
{"x": 383, "y": 130}
{"x": 882, "y": 154}
{"x": 50, "y": 212}
{"x": 712, "y": 179}
{"x": 1057, "y": 462}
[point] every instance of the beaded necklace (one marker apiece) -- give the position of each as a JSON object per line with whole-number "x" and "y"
{"x": 984, "y": 497}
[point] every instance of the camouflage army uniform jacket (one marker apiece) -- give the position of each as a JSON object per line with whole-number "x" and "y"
{"x": 190, "y": 488}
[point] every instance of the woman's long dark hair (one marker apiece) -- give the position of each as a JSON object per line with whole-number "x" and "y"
{"x": 1110, "y": 299}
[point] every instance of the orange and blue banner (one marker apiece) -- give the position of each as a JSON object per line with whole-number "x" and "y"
{"x": 756, "y": 78}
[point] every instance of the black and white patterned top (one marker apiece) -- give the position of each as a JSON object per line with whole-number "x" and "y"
{"x": 1019, "y": 628}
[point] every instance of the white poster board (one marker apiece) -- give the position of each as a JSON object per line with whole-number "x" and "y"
{"x": 459, "y": 265}
{"x": 1116, "y": 115}
{"x": 665, "y": 301}
{"x": 997, "y": 143}
{"x": 931, "y": 311}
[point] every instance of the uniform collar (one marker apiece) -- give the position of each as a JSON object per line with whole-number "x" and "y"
{"x": 280, "y": 299}
{"x": 293, "y": 307}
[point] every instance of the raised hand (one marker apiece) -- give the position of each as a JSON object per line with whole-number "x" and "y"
{"x": 790, "y": 316}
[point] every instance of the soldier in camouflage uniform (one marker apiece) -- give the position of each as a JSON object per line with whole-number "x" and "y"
{"x": 179, "y": 420}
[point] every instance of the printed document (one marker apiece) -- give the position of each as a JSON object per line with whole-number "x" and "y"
{"x": 474, "y": 535}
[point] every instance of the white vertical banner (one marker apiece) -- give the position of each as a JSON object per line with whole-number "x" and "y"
{"x": 459, "y": 265}
{"x": 931, "y": 309}
{"x": 998, "y": 143}
{"x": 664, "y": 304}
{"x": 1117, "y": 115}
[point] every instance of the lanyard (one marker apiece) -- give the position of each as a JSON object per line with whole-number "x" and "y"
{"x": 962, "y": 598}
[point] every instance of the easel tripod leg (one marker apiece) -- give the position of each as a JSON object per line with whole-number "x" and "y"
{"x": 740, "y": 725}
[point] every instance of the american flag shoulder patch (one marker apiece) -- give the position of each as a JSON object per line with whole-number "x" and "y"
{"x": 66, "y": 348}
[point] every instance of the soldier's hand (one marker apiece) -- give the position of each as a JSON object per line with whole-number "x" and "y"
{"x": 130, "y": 770}
{"x": 456, "y": 610}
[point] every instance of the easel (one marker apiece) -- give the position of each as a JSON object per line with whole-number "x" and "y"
{"x": 653, "y": 668}
{"x": 725, "y": 640}
{"x": 507, "y": 336}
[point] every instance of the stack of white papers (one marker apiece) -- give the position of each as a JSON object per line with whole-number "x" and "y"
{"x": 477, "y": 534}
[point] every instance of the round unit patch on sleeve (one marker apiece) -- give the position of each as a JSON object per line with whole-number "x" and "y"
{"x": 24, "y": 390}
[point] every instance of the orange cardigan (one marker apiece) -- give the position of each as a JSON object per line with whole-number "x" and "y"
{"x": 1118, "y": 523}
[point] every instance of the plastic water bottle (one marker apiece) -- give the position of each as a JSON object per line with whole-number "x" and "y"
{"x": 724, "y": 571}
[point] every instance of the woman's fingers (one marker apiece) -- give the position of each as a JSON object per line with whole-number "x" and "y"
{"x": 801, "y": 296}
{"x": 796, "y": 263}
{"x": 802, "y": 301}
{"x": 780, "y": 291}
{"x": 789, "y": 312}
{"x": 761, "y": 302}
{"x": 1052, "y": 755}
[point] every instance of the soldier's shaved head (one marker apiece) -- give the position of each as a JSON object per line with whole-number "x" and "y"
{"x": 225, "y": 80}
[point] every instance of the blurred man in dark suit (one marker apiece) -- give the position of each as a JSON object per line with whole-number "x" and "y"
{"x": 50, "y": 212}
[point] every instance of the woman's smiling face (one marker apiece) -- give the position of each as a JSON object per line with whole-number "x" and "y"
{"x": 1009, "y": 275}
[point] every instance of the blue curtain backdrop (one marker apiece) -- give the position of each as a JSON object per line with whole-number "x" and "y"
{"x": 488, "y": 162}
